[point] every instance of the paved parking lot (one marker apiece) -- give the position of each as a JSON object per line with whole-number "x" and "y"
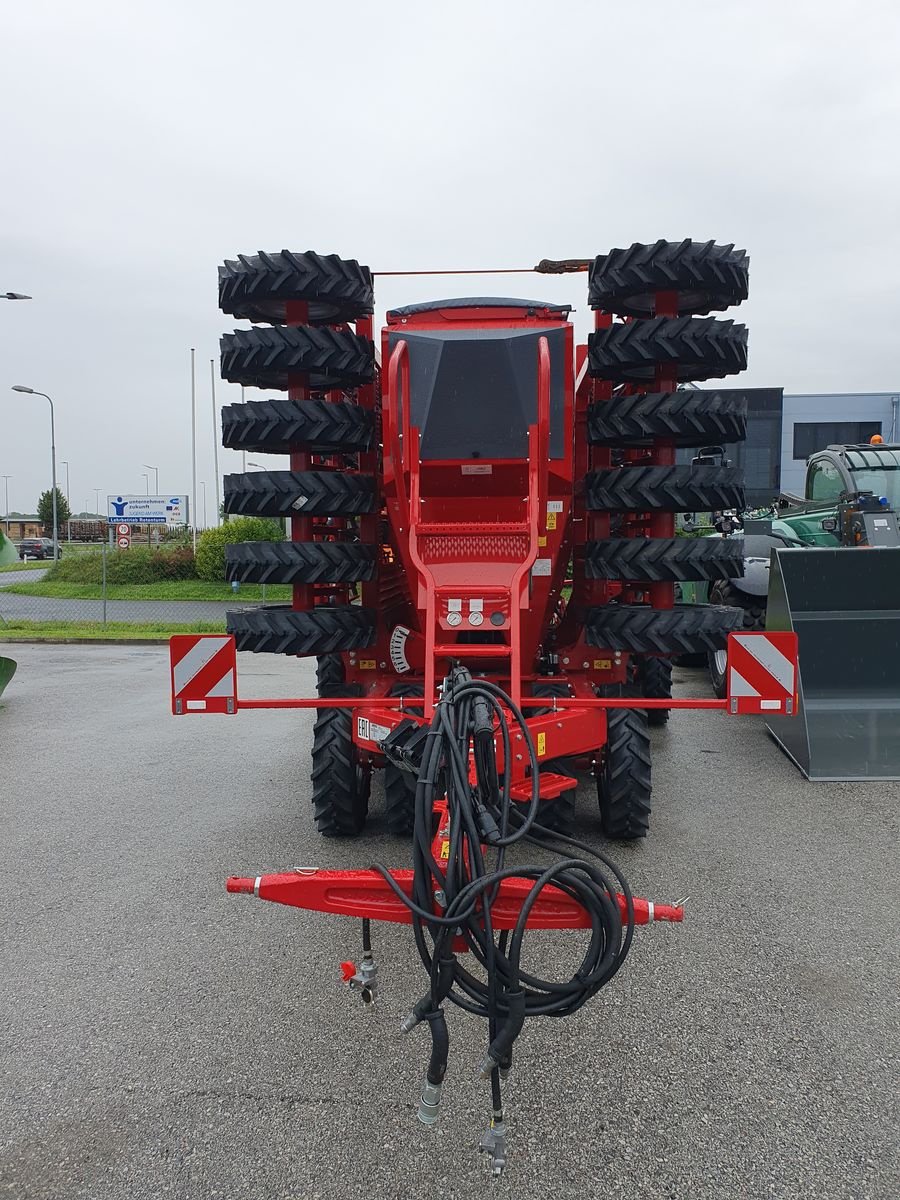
{"x": 160, "y": 1038}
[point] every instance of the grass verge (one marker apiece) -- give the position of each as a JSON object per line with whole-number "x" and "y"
{"x": 35, "y": 631}
{"x": 24, "y": 566}
{"x": 169, "y": 589}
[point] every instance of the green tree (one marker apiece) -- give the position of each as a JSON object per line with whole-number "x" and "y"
{"x": 45, "y": 511}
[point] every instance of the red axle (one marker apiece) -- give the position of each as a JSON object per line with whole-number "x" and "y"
{"x": 365, "y": 894}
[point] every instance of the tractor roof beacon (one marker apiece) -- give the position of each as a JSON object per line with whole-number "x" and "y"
{"x": 483, "y": 560}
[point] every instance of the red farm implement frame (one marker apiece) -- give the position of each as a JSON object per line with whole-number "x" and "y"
{"x": 484, "y": 563}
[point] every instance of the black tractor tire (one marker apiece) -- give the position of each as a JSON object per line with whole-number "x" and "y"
{"x": 624, "y": 784}
{"x": 674, "y": 489}
{"x": 300, "y": 562}
{"x": 324, "y": 358}
{"x": 704, "y": 276}
{"x": 696, "y": 348}
{"x": 684, "y": 629}
{"x": 399, "y": 785}
{"x": 300, "y": 494}
{"x": 689, "y": 418}
{"x": 653, "y": 679}
{"x": 340, "y": 782}
{"x": 278, "y": 629}
{"x": 258, "y": 287}
{"x": 664, "y": 560}
{"x": 557, "y": 814}
{"x": 753, "y": 617}
{"x": 274, "y": 426}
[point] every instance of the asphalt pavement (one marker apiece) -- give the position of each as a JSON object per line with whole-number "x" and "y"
{"x": 161, "y": 1038}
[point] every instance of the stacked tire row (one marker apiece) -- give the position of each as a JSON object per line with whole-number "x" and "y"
{"x": 650, "y": 414}
{"x": 306, "y": 348}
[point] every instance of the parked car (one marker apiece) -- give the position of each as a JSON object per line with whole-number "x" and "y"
{"x": 37, "y": 548}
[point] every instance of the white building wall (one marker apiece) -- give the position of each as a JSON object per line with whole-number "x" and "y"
{"x": 836, "y": 406}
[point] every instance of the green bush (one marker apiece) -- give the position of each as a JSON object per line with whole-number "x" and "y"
{"x": 139, "y": 564}
{"x": 211, "y": 547}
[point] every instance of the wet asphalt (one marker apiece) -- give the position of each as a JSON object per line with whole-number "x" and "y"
{"x": 161, "y": 1038}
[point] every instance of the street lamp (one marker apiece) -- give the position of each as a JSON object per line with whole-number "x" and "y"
{"x": 97, "y": 492}
{"x": 156, "y": 480}
{"x": 203, "y": 485}
{"x": 17, "y": 387}
{"x": 14, "y": 296}
{"x": 68, "y": 501}
{"x": 6, "y": 479}
{"x": 146, "y": 479}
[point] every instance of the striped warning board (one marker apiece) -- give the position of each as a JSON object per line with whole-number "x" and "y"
{"x": 204, "y": 673}
{"x": 762, "y": 672}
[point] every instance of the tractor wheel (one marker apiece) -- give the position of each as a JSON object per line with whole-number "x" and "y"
{"x": 270, "y": 357}
{"x": 753, "y": 611}
{"x": 278, "y": 629}
{"x": 653, "y": 679}
{"x": 274, "y": 426}
{"x": 300, "y": 562}
{"x": 557, "y": 814}
{"x": 340, "y": 792}
{"x": 673, "y": 489}
{"x": 689, "y": 418}
{"x": 399, "y": 785}
{"x": 258, "y": 287}
{"x": 623, "y": 779}
{"x": 301, "y": 493}
{"x": 684, "y": 629}
{"x": 664, "y": 560}
{"x": 696, "y": 347}
{"x": 705, "y": 278}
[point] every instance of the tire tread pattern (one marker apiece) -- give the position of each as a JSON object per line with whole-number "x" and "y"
{"x": 664, "y": 560}
{"x": 299, "y": 493}
{"x": 689, "y": 418}
{"x": 257, "y": 287}
{"x": 698, "y": 347}
{"x": 278, "y": 629}
{"x": 707, "y": 277}
{"x": 274, "y": 426}
{"x": 327, "y": 358}
{"x": 300, "y": 562}
{"x": 674, "y": 489}
{"x": 684, "y": 629}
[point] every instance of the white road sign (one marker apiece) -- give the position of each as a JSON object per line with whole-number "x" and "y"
{"x": 147, "y": 510}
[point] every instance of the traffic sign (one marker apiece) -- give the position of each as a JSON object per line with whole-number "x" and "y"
{"x": 123, "y": 543}
{"x": 762, "y": 672}
{"x": 204, "y": 673}
{"x": 123, "y": 530}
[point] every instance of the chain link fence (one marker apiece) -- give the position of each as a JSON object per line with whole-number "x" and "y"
{"x": 33, "y": 604}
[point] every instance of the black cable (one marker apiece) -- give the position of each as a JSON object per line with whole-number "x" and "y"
{"x": 470, "y": 718}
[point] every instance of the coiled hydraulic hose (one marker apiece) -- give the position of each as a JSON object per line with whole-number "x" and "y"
{"x": 470, "y": 715}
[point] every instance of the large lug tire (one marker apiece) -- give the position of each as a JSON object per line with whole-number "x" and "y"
{"x": 323, "y": 358}
{"x": 399, "y": 785}
{"x": 557, "y": 814}
{"x": 653, "y": 680}
{"x": 300, "y": 494}
{"x": 258, "y": 287}
{"x": 704, "y": 277}
{"x": 300, "y": 562}
{"x": 674, "y": 489}
{"x": 753, "y": 616}
{"x": 274, "y": 426}
{"x": 689, "y": 418}
{"x": 684, "y": 629}
{"x": 623, "y": 779}
{"x": 696, "y": 348}
{"x": 278, "y": 629}
{"x": 340, "y": 782}
{"x": 664, "y": 560}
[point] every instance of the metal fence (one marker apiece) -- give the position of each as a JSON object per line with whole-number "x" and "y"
{"x": 31, "y": 603}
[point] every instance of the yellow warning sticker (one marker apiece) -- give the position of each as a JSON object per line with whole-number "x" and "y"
{"x": 542, "y": 541}
{"x": 367, "y": 664}
{"x": 551, "y": 520}
{"x": 541, "y": 744}
{"x": 602, "y": 664}
{"x": 445, "y": 851}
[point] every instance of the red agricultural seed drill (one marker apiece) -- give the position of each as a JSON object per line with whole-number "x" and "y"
{"x": 483, "y": 559}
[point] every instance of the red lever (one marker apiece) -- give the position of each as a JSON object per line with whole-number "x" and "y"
{"x": 348, "y": 970}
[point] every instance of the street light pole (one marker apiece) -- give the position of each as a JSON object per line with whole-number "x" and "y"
{"x": 194, "y": 450}
{"x": 212, "y": 385}
{"x": 156, "y": 472}
{"x": 17, "y": 387}
{"x": 6, "y": 479}
{"x": 203, "y": 485}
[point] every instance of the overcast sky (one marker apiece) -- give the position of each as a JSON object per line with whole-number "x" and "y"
{"x": 141, "y": 144}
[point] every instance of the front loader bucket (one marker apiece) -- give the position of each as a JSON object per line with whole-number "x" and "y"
{"x": 844, "y": 606}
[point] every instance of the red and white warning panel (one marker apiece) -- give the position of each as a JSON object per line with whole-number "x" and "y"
{"x": 204, "y": 673}
{"x": 762, "y": 673}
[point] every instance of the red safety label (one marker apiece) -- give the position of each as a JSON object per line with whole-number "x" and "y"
{"x": 204, "y": 673}
{"x": 762, "y": 672}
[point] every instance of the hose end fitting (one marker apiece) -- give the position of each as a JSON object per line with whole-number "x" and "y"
{"x": 429, "y": 1102}
{"x": 486, "y": 1064}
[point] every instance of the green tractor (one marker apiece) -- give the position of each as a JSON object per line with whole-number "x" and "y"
{"x": 852, "y": 497}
